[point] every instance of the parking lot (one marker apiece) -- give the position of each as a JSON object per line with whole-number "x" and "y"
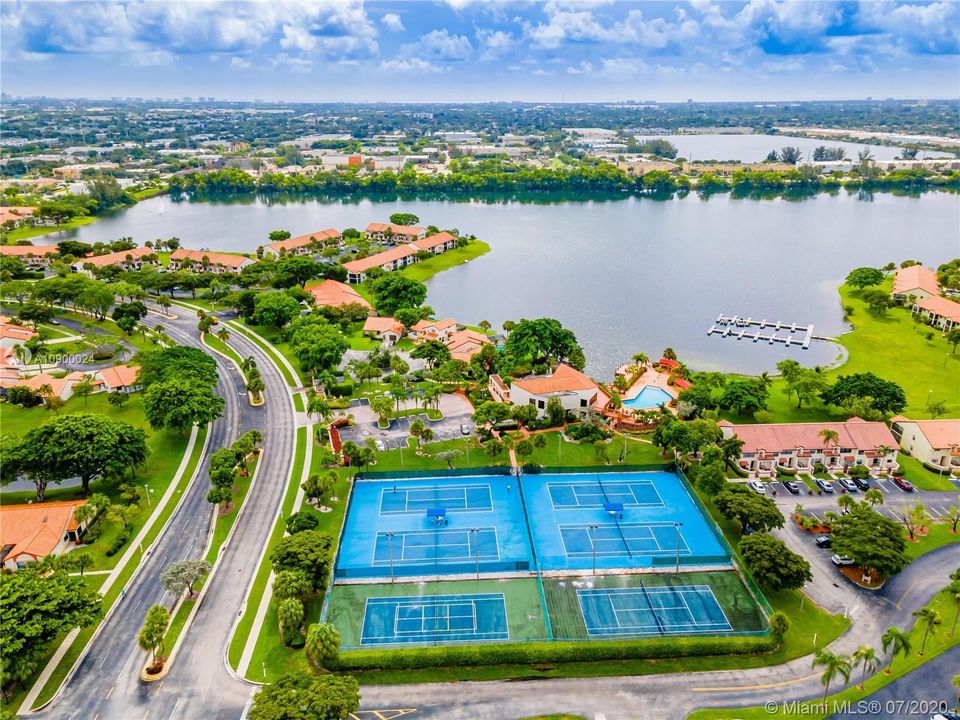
{"x": 457, "y": 411}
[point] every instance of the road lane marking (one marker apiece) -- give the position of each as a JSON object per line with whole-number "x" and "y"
{"x": 106, "y": 655}
{"x": 176, "y": 705}
{"x": 766, "y": 686}
{"x": 110, "y": 691}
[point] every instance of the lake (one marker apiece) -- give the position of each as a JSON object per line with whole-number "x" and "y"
{"x": 755, "y": 148}
{"x": 625, "y": 275}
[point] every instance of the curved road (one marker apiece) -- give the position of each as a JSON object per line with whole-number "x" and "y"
{"x": 107, "y": 685}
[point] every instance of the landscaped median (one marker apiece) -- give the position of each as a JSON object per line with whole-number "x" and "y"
{"x": 76, "y": 643}
{"x": 283, "y": 364}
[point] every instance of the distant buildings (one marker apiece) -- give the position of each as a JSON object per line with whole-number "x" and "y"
{"x": 127, "y": 259}
{"x": 331, "y": 293}
{"x": 206, "y": 261}
{"x": 938, "y": 311}
{"x": 35, "y": 257}
{"x": 400, "y": 256}
{"x": 302, "y": 245}
{"x": 397, "y": 234}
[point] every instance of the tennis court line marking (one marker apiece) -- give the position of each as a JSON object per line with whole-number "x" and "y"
{"x": 403, "y": 534}
{"x": 580, "y": 483}
{"x": 735, "y": 688}
{"x": 436, "y": 601}
{"x": 609, "y": 594}
{"x": 650, "y": 535}
{"x": 438, "y": 490}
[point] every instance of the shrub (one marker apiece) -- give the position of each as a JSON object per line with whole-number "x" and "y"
{"x": 587, "y": 432}
{"x": 858, "y": 471}
{"x": 117, "y": 544}
{"x": 300, "y": 521}
{"x": 341, "y": 389}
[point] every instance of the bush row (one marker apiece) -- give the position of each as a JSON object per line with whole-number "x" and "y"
{"x": 540, "y": 652}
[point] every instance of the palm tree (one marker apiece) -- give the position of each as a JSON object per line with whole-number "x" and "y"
{"x": 255, "y": 386}
{"x": 829, "y": 437}
{"x": 248, "y": 364}
{"x": 954, "y": 587}
{"x": 873, "y": 497}
{"x": 765, "y": 379}
{"x": 223, "y": 334}
{"x": 832, "y": 665}
{"x": 928, "y": 618}
{"x": 641, "y": 359}
{"x": 846, "y": 502}
{"x": 866, "y": 656}
{"x": 896, "y": 642}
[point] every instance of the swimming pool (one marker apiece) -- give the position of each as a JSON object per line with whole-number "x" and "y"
{"x": 649, "y": 397}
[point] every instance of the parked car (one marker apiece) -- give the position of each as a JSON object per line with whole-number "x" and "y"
{"x": 841, "y": 560}
{"x": 823, "y": 541}
{"x": 903, "y": 483}
{"x": 757, "y": 487}
{"x": 847, "y": 484}
{"x": 464, "y": 429}
{"x": 791, "y": 487}
{"x": 379, "y": 445}
{"x": 824, "y": 485}
{"x": 862, "y": 483}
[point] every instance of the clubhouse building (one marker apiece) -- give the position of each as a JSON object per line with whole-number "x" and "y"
{"x": 576, "y": 392}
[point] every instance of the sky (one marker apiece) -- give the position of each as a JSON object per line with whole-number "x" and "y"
{"x": 480, "y": 50}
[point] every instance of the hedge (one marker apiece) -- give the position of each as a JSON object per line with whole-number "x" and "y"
{"x": 540, "y": 652}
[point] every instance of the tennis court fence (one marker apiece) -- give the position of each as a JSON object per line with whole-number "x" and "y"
{"x": 430, "y": 568}
{"x": 444, "y": 473}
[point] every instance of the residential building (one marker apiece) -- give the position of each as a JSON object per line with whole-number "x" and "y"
{"x": 390, "y": 260}
{"x": 304, "y": 244}
{"x": 35, "y": 257}
{"x": 12, "y": 334}
{"x": 433, "y": 330}
{"x": 915, "y": 281}
{"x": 15, "y": 215}
{"x": 330, "y": 293}
{"x": 796, "y": 447}
{"x": 206, "y": 261}
{"x": 397, "y": 234}
{"x": 60, "y": 387}
{"x": 437, "y": 244}
{"x": 29, "y": 533}
{"x": 464, "y": 344}
{"x": 576, "y": 392}
{"x": 120, "y": 378}
{"x": 127, "y": 259}
{"x": 938, "y": 311}
{"x": 935, "y": 443}
{"x": 385, "y": 328}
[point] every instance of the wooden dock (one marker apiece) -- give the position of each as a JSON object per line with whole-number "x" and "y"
{"x": 750, "y": 329}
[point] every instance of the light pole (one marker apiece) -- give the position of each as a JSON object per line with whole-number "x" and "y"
{"x": 476, "y": 547}
{"x": 676, "y": 526}
{"x": 593, "y": 546}
{"x": 390, "y": 541}
{"x": 146, "y": 491}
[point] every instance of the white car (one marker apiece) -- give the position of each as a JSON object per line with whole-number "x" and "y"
{"x": 757, "y": 487}
{"x": 841, "y": 560}
{"x": 379, "y": 445}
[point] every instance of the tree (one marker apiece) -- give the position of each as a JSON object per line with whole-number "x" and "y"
{"x": 301, "y": 521}
{"x": 873, "y": 497}
{"x": 896, "y": 642}
{"x": 448, "y": 457}
{"x": 491, "y": 412}
{"x": 524, "y": 414}
{"x": 871, "y": 540}
{"x": 864, "y": 277}
{"x": 914, "y": 519}
{"x": 790, "y": 154}
{"x": 307, "y": 697}
{"x": 177, "y": 362}
{"x": 750, "y": 510}
{"x": 152, "y": 633}
{"x": 308, "y": 551}
{"x": 292, "y": 584}
{"x": 180, "y": 577}
{"x": 524, "y": 450}
{"x": 83, "y": 389}
{"x": 37, "y": 604}
{"x": 833, "y": 665}
{"x": 394, "y": 291}
{"x": 318, "y": 346}
{"x": 544, "y": 340}
{"x": 433, "y": 351}
{"x": 256, "y": 386}
{"x": 773, "y": 564}
{"x": 404, "y": 219}
{"x": 556, "y": 414}
{"x": 290, "y": 617}
{"x": 744, "y": 397}
{"x": 179, "y": 404}
{"x": 316, "y": 487}
{"x": 294, "y": 271}
{"x": 928, "y": 619}
{"x": 887, "y": 396}
{"x": 278, "y": 235}
{"x": 274, "y": 308}
{"x": 779, "y": 624}
{"x": 118, "y": 399}
{"x": 710, "y": 477}
{"x": 953, "y": 338}
{"x": 323, "y": 644}
{"x": 34, "y": 313}
{"x": 382, "y": 407}
{"x": 867, "y": 657}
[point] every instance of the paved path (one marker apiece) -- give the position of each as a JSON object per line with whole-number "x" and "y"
{"x": 107, "y": 683}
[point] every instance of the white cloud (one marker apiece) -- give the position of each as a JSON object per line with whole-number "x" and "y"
{"x": 584, "y": 68}
{"x": 575, "y": 22}
{"x": 392, "y": 22}
{"x": 239, "y": 63}
{"x": 292, "y": 62}
{"x": 495, "y": 43}
{"x": 409, "y": 65}
{"x": 441, "y": 45}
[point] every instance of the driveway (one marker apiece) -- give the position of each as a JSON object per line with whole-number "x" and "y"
{"x": 456, "y": 410}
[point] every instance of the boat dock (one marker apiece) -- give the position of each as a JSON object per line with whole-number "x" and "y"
{"x": 750, "y": 329}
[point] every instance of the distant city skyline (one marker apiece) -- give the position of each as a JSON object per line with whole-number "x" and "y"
{"x": 476, "y": 51}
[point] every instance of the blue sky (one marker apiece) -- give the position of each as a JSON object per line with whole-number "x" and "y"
{"x": 474, "y": 50}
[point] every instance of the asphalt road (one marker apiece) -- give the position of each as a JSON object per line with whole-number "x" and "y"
{"x": 106, "y": 685}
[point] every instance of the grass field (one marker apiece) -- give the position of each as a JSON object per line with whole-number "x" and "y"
{"x": 409, "y": 460}
{"x": 938, "y": 535}
{"x": 567, "y": 619}
{"x": 524, "y": 611}
{"x": 560, "y": 453}
{"x": 914, "y": 471}
{"x": 25, "y": 233}
{"x": 426, "y": 269}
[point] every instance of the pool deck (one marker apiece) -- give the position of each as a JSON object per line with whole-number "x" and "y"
{"x": 650, "y": 377}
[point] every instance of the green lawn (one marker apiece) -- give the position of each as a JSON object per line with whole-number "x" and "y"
{"x": 274, "y": 346}
{"x": 938, "y": 535}
{"x": 409, "y": 460}
{"x": 914, "y": 471}
{"x": 937, "y": 644}
{"x": 893, "y": 347}
{"x": 560, "y": 453}
{"x": 426, "y": 269}
{"x": 25, "y": 233}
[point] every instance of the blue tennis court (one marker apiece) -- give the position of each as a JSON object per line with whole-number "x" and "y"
{"x": 631, "y": 519}
{"x": 407, "y": 499}
{"x": 657, "y": 610}
{"x": 615, "y": 539}
{"x": 434, "y": 526}
{"x": 595, "y": 494}
{"x": 434, "y": 619}
{"x": 441, "y": 545}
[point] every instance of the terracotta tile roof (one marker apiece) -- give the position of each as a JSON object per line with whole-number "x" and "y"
{"x": 15, "y": 213}
{"x": 425, "y": 325}
{"x": 214, "y": 258}
{"x": 941, "y": 434}
{"x": 12, "y": 331}
{"x": 941, "y": 306}
{"x": 854, "y": 433}
{"x": 667, "y": 362}
{"x": 334, "y": 294}
{"x": 564, "y": 379}
{"x": 382, "y": 324}
{"x": 915, "y": 277}
{"x": 119, "y": 376}
{"x": 681, "y": 384}
{"x": 28, "y": 250}
{"x": 35, "y": 530}
{"x": 464, "y": 344}
{"x": 117, "y": 258}
{"x": 381, "y": 258}
{"x": 57, "y": 384}
{"x": 429, "y": 243}
{"x": 397, "y": 229}
{"x": 297, "y": 242}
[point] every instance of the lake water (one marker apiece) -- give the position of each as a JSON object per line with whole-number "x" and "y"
{"x": 625, "y": 275}
{"x": 755, "y": 148}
